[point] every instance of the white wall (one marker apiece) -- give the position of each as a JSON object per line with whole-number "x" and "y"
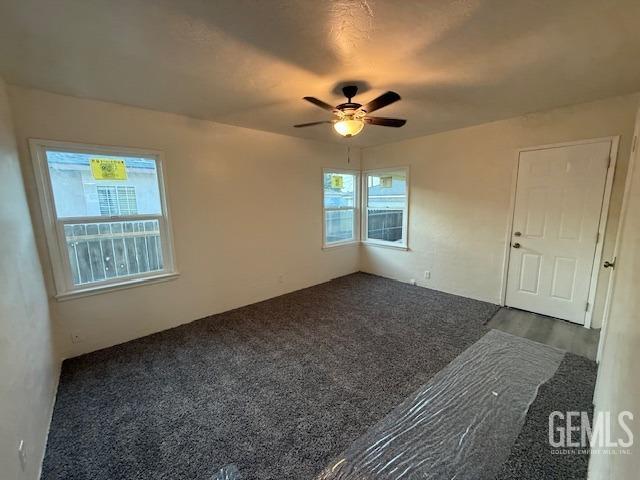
{"x": 246, "y": 213}
{"x": 460, "y": 187}
{"x": 245, "y": 208}
{"x": 29, "y": 366}
{"x": 618, "y": 386}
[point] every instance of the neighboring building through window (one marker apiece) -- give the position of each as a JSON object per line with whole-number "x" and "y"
{"x": 341, "y": 219}
{"x": 386, "y": 207}
{"x": 107, "y": 206}
{"x": 117, "y": 200}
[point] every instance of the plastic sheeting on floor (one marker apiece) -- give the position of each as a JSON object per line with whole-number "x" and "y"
{"x": 230, "y": 472}
{"x": 462, "y": 424}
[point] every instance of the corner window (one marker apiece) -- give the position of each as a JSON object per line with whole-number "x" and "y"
{"x": 341, "y": 219}
{"x": 386, "y": 207}
{"x": 105, "y": 215}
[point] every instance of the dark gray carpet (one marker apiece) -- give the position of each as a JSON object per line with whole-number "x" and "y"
{"x": 278, "y": 388}
{"x": 569, "y": 390}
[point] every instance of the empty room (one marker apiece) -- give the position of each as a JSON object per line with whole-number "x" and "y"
{"x": 319, "y": 239}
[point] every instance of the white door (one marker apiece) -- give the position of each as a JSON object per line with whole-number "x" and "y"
{"x": 558, "y": 203}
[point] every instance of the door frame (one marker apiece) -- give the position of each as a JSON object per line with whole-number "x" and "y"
{"x": 623, "y": 213}
{"x": 602, "y": 225}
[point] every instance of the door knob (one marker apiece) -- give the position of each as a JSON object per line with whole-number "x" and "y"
{"x": 608, "y": 264}
{"x": 516, "y": 245}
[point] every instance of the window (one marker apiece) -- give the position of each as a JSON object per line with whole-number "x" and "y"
{"x": 340, "y": 207}
{"x": 386, "y": 207}
{"x": 105, "y": 215}
{"x": 117, "y": 200}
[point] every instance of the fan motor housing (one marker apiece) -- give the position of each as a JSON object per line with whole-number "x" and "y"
{"x": 350, "y": 91}
{"x": 348, "y": 106}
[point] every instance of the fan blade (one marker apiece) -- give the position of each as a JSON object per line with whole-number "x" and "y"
{"x": 311, "y": 124}
{"x": 319, "y": 103}
{"x": 382, "y": 101}
{"x": 385, "y": 122}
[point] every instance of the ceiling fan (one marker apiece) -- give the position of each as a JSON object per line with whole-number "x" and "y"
{"x": 352, "y": 116}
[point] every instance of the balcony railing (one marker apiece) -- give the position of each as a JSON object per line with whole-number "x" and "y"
{"x": 106, "y": 250}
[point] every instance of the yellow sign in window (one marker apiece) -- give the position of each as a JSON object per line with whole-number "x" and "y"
{"x": 337, "y": 181}
{"x": 386, "y": 182}
{"x": 108, "y": 169}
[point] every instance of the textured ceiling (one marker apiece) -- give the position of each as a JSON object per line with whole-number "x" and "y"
{"x": 249, "y": 62}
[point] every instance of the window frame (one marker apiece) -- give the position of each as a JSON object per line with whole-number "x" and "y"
{"x": 54, "y": 226}
{"x": 365, "y": 209}
{"x": 356, "y": 208}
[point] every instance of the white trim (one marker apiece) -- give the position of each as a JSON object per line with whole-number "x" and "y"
{"x": 346, "y": 243}
{"x": 623, "y": 213}
{"x": 53, "y": 226}
{"x": 383, "y": 244}
{"x": 602, "y": 229}
{"x": 47, "y": 208}
{"x": 356, "y": 209}
{"x": 567, "y": 144}
{"x": 129, "y": 283}
{"x": 404, "y": 245}
{"x": 604, "y": 213}
{"x": 111, "y": 218}
{"x": 508, "y": 233}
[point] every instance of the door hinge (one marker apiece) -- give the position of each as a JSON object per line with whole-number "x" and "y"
{"x": 597, "y": 237}
{"x": 635, "y": 143}
{"x": 586, "y": 309}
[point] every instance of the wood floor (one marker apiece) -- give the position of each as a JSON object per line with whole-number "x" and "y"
{"x": 548, "y": 330}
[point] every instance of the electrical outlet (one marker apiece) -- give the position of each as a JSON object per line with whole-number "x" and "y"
{"x": 75, "y": 338}
{"x": 427, "y": 274}
{"x": 22, "y": 455}
{"x": 280, "y": 278}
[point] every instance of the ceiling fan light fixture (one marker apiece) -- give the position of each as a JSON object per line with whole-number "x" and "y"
{"x": 350, "y": 117}
{"x": 349, "y": 127}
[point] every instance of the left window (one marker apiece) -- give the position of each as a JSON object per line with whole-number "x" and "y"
{"x": 105, "y": 215}
{"x": 340, "y": 204}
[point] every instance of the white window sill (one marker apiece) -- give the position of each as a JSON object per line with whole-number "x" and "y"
{"x": 366, "y": 244}
{"x": 386, "y": 245}
{"x": 340, "y": 244}
{"x": 137, "y": 282}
